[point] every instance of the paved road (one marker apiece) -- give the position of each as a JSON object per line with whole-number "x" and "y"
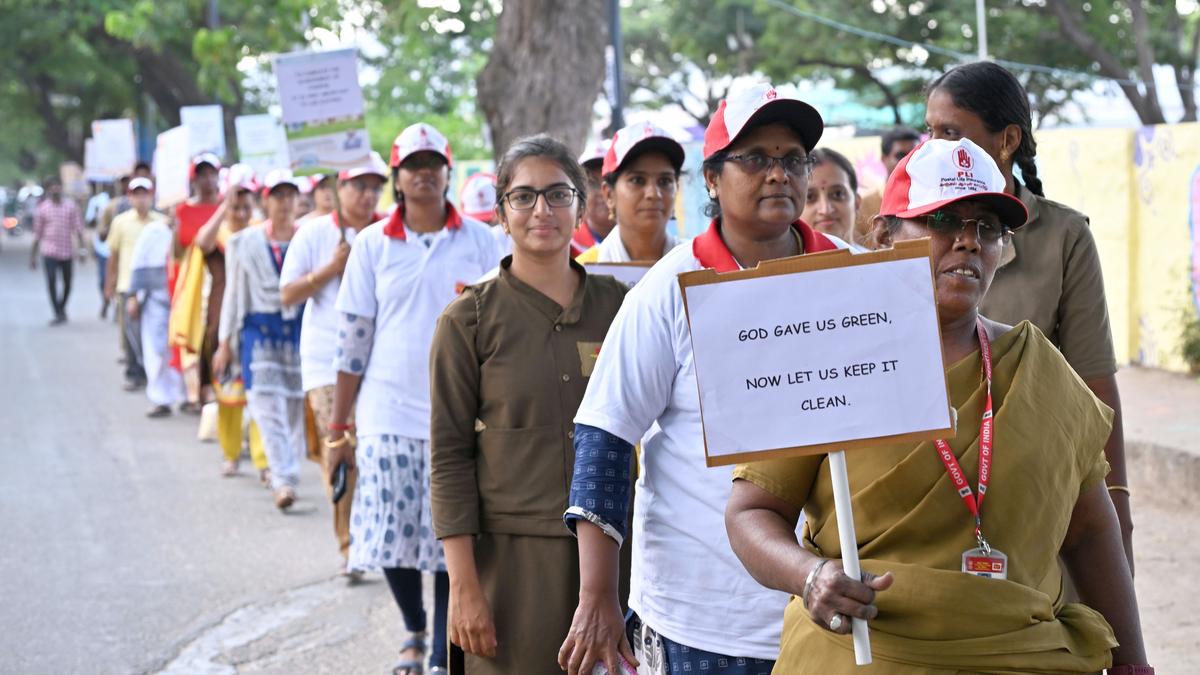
{"x": 124, "y": 552}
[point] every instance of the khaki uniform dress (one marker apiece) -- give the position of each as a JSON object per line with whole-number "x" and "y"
{"x": 1051, "y": 276}
{"x": 509, "y": 367}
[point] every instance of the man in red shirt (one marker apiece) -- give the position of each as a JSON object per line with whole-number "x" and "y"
{"x": 206, "y": 197}
{"x": 55, "y": 222}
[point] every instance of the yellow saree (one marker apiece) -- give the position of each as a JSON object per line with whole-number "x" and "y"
{"x": 1049, "y": 438}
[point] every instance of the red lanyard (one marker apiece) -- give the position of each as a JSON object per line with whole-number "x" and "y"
{"x": 975, "y": 506}
{"x": 276, "y": 249}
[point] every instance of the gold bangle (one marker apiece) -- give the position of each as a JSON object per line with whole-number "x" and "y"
{"x": 1120, "y": 488}
{"x": 346, "y": 439}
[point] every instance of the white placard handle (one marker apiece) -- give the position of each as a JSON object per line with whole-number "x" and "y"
{"x": 849, "y": 541}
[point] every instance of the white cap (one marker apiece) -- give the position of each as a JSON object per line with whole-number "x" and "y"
{"x": 595, "y": 152}
{"x": 240, "y": 176}
{"x": 419, "y": 137}
{"x": 477, "y": 197}
{"x": 141, "y": 183}
{"x": 277, "y": 177}
{"x": 941, "y": 172}
{"x": 644, "y": 135}
{"x": 762, "y": 104}
{"x": 374, "y": 166}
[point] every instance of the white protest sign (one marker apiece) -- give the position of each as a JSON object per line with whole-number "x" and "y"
{"x": 206, "y": 129}
{"x": 626, "y": 273}
{"x": 261, "y": 143}
{"x": 114, "y": 149}
{"x": 818, "y": 353}
{"x": 322, "y": 107}
{"x": 172, "y": 163}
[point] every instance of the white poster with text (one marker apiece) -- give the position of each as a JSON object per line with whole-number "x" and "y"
{"x": 322, "y": 105}
{"x": 206, "y": 129}
{"x": 818, "y": 359}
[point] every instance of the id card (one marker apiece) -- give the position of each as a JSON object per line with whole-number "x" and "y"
{"x": 993, "y": 564}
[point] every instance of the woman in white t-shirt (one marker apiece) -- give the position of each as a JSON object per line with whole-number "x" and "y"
{"x": 693, "y": 602}
{"x": 312, "y": 275}
{"x": 641, "y": 176}
{"x": 401, "y": 274}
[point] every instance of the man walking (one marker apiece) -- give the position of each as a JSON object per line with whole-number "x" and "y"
{"x": 126, "y": 228}
{"x": 55, "y": 222}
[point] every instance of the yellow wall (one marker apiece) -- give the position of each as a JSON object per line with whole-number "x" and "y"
{"x": 1141, "y": 190}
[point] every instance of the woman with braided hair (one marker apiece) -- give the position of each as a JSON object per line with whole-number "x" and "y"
{"x": 1051, "y": 274}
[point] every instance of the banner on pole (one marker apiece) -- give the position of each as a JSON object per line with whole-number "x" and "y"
{"x": 322, "y": 106}
{"x": 206, "y": 129}
{"x": 818, "y": 353}
{"x": 261, "y": 143}
{"x": 172, "y": 163}
{"x": 114, "y": 150}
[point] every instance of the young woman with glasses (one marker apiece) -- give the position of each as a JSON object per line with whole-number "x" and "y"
{"x": 511, "y": 359}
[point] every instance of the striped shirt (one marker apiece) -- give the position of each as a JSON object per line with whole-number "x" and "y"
{"x": 55, "y": 225}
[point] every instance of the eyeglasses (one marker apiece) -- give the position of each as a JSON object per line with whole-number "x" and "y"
{"x": 988, "y": 228}
{"x": 524, "y": 199}
{"x": 758, "y": 162}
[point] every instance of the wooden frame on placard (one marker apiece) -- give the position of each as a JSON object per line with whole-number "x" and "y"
{"x": 903, "y": 250}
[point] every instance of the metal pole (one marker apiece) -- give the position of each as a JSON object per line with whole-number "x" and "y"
{"x": 614, "y": 29}
{"x": 981, "y": 28}
{"x": 214, "y": 16}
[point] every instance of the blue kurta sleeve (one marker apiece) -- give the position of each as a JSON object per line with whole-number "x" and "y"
{"x": 600, "y": 485}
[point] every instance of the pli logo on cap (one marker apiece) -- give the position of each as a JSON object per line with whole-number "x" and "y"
{"x": 964, "y": 159}
{"x": 771, "y": 94}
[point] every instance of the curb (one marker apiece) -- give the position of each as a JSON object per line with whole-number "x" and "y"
{"x": 1162, "y": 470}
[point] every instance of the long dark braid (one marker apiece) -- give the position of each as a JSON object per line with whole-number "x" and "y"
{"x": 993, "y": 93}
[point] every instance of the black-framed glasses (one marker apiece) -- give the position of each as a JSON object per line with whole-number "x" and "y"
{"x": 524, "y": 199}
{"x": 988, "y": 228}
{"x": 793, "y": 164}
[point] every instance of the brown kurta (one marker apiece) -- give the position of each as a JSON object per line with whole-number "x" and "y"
{"x": 1051, "y": 276}
{"x": 508, "y": 370}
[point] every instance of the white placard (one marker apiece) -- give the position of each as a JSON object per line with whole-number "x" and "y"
{"x": 114, "y": 149}
{"x": 206, "y": 129}
{"x": 821, "y": 359}
{"x": 627, "y": 273}
{"x": 261, "y": 143}
{"x": 171, "y": 164}
{"x": 322, "y": 107}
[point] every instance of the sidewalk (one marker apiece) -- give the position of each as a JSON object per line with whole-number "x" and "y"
{"x": 1162, "y": 422}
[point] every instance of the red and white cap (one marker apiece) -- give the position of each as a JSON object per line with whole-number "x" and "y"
{"x": 477, "y": 197}
{"x": 374, "y": 166}
{"x": 241, "y": 176}
{"x": 141, "y": 183}
{"x": 419, "y": 137}
{"x": 636, "y": 139}
{"x": 941, "y": 172}
{"x": 595, "y": 152}
{"x": 200, "y": 159}
{"x": 278, "y": 177}
{"x": 756, "y": 106}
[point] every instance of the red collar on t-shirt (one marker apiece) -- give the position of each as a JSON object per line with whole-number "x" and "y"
{"x": 710, "y": 249}
{"x": 395, "y": 224}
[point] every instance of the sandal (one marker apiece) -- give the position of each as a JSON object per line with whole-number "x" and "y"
{"x": 416, "y": 666}
{"x": 264, "y": 478}
{"x": 229, "y": 468}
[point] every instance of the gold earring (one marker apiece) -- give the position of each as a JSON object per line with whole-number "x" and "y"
{"x": 1003, "y": 155}
{"x": 712, "y": 194}
{"x": 612, "y": 214}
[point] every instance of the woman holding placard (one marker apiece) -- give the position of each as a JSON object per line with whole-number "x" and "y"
{"x": 510, "y": 362}
{"x": 949, "y": 587}
{"x": 641, "y": 176}
{"x": 693, "y": 600}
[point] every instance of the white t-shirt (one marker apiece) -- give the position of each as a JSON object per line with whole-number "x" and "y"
{"x": 405, "y": 284}
{"x": 687, "y": 584}
{"x": 311, "y": 249}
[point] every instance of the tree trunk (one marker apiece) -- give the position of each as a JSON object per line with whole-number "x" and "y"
{"x": 1147, "y": 109}
{"x": 545, "y": 70}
